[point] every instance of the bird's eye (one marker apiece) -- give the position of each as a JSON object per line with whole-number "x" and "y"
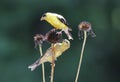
{"x": 43, "y": 15}
{"x": 66, "y": 41}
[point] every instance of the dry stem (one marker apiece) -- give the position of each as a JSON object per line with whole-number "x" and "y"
{"x": 43, "y": 68}
{"x": 53, "y": 63}
{"x": 81, "y": 56}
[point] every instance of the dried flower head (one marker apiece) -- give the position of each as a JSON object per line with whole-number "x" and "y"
{"x": 38, "y": 39}
{"x": 85, "y": 26}
{"x": 53, "y": 36}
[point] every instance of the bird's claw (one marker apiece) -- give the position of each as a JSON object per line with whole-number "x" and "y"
{"x": 59, "y": 33}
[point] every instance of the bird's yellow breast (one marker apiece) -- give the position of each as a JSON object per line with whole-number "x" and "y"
{"x": 58, "y": 50}
{"x": 54, "y": 21}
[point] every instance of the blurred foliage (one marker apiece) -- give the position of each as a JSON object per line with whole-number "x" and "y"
{"x": 20, "y": 21}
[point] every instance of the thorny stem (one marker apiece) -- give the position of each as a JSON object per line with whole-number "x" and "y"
{"x": 81, "y": 56}
{"x": 43, "y": 68}
{"x": 53, "y": 63}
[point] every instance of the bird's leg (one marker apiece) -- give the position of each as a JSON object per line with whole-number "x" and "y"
{"x": 60, "y": 32}
{"x": 69, "y": 35}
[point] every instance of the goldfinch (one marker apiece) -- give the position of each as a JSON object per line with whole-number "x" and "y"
{"x": 59, "y": 48}
{"x": 58, "y": 22}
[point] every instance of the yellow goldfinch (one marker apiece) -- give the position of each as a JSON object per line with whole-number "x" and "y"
{"x": 59, "y": 48}
{"x": 58, "y": 22}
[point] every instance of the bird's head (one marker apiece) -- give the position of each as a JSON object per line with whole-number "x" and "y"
{"x": 65, "y": 44}
{"x": 45, "y": 16}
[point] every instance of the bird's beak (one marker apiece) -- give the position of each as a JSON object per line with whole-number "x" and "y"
{"x": 42, "y": 18}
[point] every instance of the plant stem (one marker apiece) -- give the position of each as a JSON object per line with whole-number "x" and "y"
{"x": 81, "y": 55}
{"x": 43, "y": 68}
{"x": 53, "y": 63}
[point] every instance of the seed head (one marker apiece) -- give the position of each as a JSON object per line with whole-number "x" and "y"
{"x": 38, "y": 39}
{"x": 53, "y": 36}
{"x": 85, "y": 26}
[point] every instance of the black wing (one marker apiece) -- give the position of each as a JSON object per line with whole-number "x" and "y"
{"x": 65, "y": 22}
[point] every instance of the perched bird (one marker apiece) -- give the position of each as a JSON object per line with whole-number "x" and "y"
{"x": 59, "y": 48}
{"x": 58, "y": 22}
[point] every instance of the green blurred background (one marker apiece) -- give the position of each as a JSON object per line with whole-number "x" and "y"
{"x": 20, "y": 21}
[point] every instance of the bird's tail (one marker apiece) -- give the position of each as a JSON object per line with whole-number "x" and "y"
{"x": 37, "y": 63}
{"x": 69, "y": 35}
{"x": 34, "y": 65}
